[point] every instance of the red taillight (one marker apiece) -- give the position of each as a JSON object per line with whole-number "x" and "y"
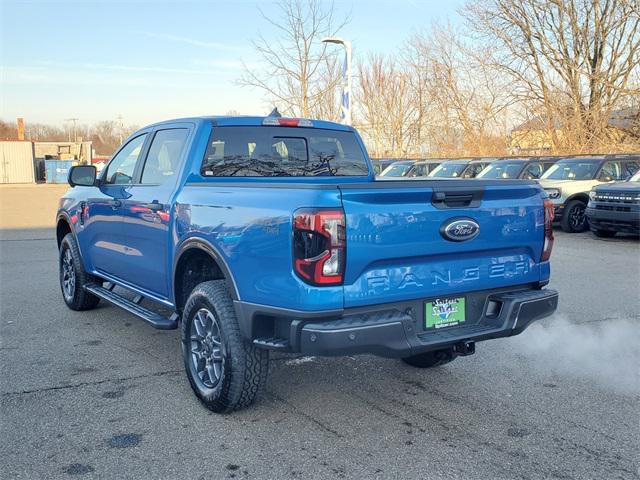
{"x": 319, "y": 245}
{"x": 548, "y": 230}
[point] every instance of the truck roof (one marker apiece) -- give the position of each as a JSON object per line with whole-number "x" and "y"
{"x": 249, "y": 121}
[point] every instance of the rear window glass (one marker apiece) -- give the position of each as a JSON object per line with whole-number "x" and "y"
{"x": 282, "y": 152}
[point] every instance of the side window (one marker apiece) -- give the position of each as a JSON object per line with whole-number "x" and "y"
{"x": 610, "y": 171}
{"x": 474, "y": 169}
{"x": 546, "y": 166}
{"x": 120, "y": 169}
{"x": 163, "y": 159}
{"x": 417, "y": 171}
{"x": 630, "y": 168}
{"x": 533, "y": 171}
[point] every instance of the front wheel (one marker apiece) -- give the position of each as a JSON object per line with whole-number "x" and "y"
{"x": 430, "y": 359}
{"x": 73, "y": 277}
{"x": 574, "y": 218}
{"x": 225, "y": 371}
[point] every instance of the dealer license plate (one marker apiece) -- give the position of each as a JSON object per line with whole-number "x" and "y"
{"x": 444, "y": 312}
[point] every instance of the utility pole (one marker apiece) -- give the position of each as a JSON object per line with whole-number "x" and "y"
{"x": 120, "y": 128}
{"x": 74, "y": 120}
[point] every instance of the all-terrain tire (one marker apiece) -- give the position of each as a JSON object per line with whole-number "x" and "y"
{"x": 73, "y": 276}
{"x": 243, "y": 367}
{"x": 430, "y": 359}
{"x": 574, "y": 219}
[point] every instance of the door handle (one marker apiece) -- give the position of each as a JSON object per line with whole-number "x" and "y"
{"x": 154, "y": 206}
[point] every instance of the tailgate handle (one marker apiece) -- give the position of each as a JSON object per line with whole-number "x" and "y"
{"x": 456, "y": 199}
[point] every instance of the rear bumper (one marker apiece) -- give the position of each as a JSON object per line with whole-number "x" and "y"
{"x": 397, "y": 330}
{"x": 613, "y": 220}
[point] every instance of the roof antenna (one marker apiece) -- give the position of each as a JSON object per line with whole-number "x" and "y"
{"x": 275, "y": 113}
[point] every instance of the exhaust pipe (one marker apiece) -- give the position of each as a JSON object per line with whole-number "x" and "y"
{"x": 467, "y": 347}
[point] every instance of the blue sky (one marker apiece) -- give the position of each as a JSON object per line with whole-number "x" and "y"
{"x": 151, "y": 60}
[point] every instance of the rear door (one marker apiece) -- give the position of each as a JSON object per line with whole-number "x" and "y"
{"x": 396, "y": 251}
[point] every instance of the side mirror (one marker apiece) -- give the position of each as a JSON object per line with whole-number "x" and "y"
{"x": 82, "y": 175}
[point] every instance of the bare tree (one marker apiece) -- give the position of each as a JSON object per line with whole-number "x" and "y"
{"x": 106, "y": 135}
{"x": 478, "y": 93}
{"x": 572, "y": 60}
{"x": 299, "y": 74}
{"x": 386, "y": 106}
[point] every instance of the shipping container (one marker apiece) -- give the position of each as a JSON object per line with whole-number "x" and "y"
{"x": 57, "y": 171}
{"x": 16, "y": 162}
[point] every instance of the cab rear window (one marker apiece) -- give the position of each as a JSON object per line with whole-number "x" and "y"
{"x": 282, "y": 152}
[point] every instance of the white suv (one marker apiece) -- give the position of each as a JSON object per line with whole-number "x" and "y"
{"x": 569, "y": 181}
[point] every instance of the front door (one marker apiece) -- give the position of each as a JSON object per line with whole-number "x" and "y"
{"x": 101, "y": 215}
{"x": 147, "y": 211}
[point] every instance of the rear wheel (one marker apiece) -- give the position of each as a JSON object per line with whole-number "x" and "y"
{"x": 73, "y": 277}
{"x": 431, "y": 359}
{"x": 574, "y": 218}
{"x": 225, "y": 371}
{"x": 603, "y": 233}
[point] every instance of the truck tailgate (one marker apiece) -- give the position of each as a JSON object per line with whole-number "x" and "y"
{"x": 396, "y": 251}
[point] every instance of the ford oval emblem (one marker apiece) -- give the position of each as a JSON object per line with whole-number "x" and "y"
{"x": 459, "y": 229}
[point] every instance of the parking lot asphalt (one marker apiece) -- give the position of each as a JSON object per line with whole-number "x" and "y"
{"x": 100, "y": 394}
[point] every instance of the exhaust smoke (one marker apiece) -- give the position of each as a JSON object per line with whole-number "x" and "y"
{"x": 605, "y": 351}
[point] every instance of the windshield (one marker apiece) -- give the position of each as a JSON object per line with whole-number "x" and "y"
{"x": 572, "y": 170}
{"x": 396, "y": 170}
{"x": 502, "y": 170}
{"x": 636, "y": 177}
{"x": 448, "y": 170}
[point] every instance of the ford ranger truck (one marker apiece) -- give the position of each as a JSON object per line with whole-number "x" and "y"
{"x": 253, "y": 234}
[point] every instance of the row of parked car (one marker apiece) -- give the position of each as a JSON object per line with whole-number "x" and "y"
{"x": 599, "y": 192}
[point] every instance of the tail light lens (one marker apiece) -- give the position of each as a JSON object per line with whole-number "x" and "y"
{"x": 319, "y": 245}
{"x": 548, "y": 230}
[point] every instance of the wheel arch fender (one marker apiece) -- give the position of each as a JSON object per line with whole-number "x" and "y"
{"x": 64, "y": 225}
{"x": 582, "y": 196}
{"x": 198, "y": 244}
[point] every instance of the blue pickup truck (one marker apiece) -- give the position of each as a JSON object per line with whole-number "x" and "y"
{"x": 253, "y": 234}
